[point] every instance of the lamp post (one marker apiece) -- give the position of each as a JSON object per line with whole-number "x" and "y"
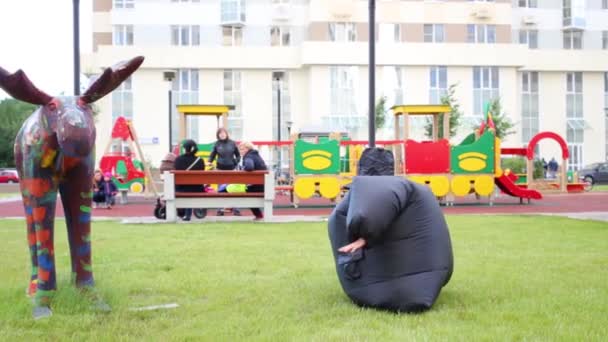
{"x": 372, "y": 73}
{"x": 278, "y": 76}
{"x": 606, "y": 131}
{"x": 169, "y": 76}
{"x": 76, "y": 17}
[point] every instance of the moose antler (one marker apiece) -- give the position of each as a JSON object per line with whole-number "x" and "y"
{"x": 19, "y": 86}
{"x": 110, "y": 79}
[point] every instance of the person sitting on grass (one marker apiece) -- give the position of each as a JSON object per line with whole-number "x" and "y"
{"x": 253, "y": 162}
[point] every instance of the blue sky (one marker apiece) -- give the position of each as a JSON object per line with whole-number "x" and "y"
{"x": 36, "y": 36}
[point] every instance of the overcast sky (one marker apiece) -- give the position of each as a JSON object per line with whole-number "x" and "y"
{"x": 36, "y": 36}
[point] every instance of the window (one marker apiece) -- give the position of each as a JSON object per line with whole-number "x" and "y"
{"x": 123, "y": 35}
{"x": 342, "y": 32}
{"x": 575, "y": 124}
{"x": 573, "y": 40}
{"x": 280, "y": 36}
{"x": 122, "y": 101}
{"x": 529, "y": 105}
{"x": 528, "y": 3}
{"x": 605, "y": 40}
{"x": 233, "y": 96}
{"x": 485, "y": 88}
{"x": 573, "y": 13}
{"x": 393, "y": 85}
{"x": 233, "y": 11}
{"x": 185, "y": 91}
{"x": 185, "y": 35}
{"x": 438, "y": 83}
{"x": 283, "y": 83}
{"x": 481, "y": 33}
{"x": 433, "y": 33}
{"x": 390, "y": 33}
{"x": 344, "y": 113}
{"x": 232, "y": 36}
{"x": 124, "y": 3}
{"x": 529, "y": 37}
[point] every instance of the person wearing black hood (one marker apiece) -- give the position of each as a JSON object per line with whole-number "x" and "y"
{"x": 228, "y": 157}
{"x": 189, "y": 162}
{"x": 253, "y": 162}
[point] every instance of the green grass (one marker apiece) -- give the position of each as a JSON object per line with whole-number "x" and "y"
{"x": 603, "y": 187}
{"x": 515, "y": 278}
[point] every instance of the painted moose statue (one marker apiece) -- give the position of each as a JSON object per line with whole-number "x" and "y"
{"x": 55, "y": 151}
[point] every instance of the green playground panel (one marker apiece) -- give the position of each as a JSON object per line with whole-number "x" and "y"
{"x": 484, "y": 145}
{"x": 468, "y": 140}
{"x": 138, "y": 164}
{"x": 326, "y": 161}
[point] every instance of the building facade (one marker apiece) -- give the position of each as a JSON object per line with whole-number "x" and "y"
{"x": 547, "y": 61}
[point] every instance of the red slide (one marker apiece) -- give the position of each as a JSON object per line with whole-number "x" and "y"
{"x": 506, "y": 184}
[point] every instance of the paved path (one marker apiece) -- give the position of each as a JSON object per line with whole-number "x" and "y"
{"x": 566, "y": 204}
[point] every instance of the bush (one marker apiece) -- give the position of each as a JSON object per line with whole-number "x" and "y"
{"x": 518, "y": 165}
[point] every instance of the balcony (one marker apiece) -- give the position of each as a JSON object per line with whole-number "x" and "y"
{"x": 233, "y": 13}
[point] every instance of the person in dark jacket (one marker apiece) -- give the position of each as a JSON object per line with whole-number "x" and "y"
{"x": 253, "y": 162}
{"x": 228, "y": 157}
{"x": 105, "y": 191}
{"x": 189, "y": 161}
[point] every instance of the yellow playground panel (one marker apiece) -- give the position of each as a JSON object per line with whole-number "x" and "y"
{"x": 219, "y": 111}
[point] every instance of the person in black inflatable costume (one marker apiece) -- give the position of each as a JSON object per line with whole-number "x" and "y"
{"x": 391, "y": 244}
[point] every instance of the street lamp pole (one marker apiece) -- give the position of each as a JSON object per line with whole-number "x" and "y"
{"x": 169, "y": 76}
{"x": 76, "y": 17}
{"x": 372, "y": 73}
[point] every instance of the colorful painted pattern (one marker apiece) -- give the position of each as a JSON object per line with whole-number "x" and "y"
{"x": 50, "y": 163}
{"x": 54, "y": 153}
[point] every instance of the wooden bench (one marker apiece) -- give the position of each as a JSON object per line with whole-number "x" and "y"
{"x": 175, "y": 200}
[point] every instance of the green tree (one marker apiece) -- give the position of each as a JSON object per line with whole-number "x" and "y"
{"x": 381, "y": 112}
{"x": 448, "y": 99}
{"x": 12, "y": 115}
{"x": 504, "y": 125}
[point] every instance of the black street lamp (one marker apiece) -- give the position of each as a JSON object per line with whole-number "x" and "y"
{"x": 76, "y": 17}
{"x": 169, "y": 76}
{"x": 372, "y": 73}
{"x": 278, "y": 76}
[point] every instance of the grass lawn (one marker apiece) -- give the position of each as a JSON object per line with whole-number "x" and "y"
{"x": 603, "y": 187}
{"x": 515, "y": 278}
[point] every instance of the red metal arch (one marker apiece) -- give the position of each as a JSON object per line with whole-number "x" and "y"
{"x": 547, "y": 135}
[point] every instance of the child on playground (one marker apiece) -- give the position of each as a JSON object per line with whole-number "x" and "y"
{"x": 105, "y": 191}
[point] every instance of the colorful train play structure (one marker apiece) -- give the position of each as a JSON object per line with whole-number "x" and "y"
{"x": 129, "y": 172}
{"x": 321, "y": 164}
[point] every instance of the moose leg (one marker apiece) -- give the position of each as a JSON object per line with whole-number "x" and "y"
{"x": 39, "y": 198}
{"x": 76, "y": 199}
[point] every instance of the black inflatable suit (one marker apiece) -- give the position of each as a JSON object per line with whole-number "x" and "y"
{"x": 408, "y": 256}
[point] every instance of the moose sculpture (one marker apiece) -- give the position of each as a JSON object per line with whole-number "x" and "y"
{"x": 54, "y": 151}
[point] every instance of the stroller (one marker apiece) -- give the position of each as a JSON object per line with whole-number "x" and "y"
{"x": 160, "y": 209}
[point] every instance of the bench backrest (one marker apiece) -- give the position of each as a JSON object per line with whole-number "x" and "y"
{"x": 218, "y": 177}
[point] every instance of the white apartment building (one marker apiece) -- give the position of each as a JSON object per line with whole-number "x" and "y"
{"x": 547, "y": 60}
